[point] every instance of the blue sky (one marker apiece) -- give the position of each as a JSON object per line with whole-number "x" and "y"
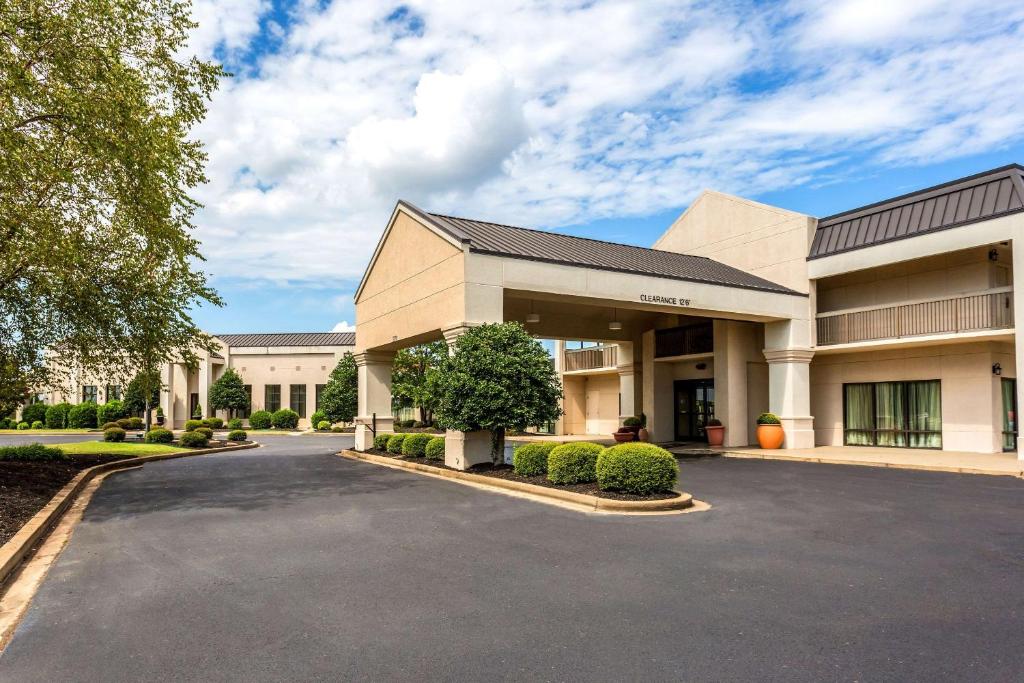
{"x": 601, "y": 119}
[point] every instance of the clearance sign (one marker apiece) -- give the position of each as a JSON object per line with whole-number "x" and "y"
{"x": 668, "y": 300}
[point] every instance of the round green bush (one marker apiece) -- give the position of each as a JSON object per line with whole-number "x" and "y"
{"x": 159, "y": 435}
{"x": 395, "y": 443}
{"x": 123, "y": 423}
{"x": 337, "y": 430}
{"x": 38, "y": 424}
{"x": 435, "y": 448}
{"x": 415, "y": 445}
{"x": 316, "y": 418}
{"x": 111, "y": 411}
{"x": 237, "y": 435}
{"x": 192, "y": 424}
{"x": 110, "y": 425}
{"x": 639, "y": 468}
{"x": 531, "y": 459}
{"x": 573, "y": 463}
{"x": 82, "y": 416}
{"x": 631, "y": 422}
{"x": 33, "y": 413}
{"x": 213, "y": 422}
{"x": 768, "y": 419}
{"x": 260, "y": 420}
{"x": 135, "y": 423}
{"x": 205, "y": 431}
{"x": 323, "y": 425}
{"x": 194, "y": 439}
{"x": 380, "y": 441}
{"x": 31, "y": 452}
{"x": 23, "y": 425}
{"x": 113, "y": 434}
{"x": 57, "y": 416}
{"x": 234, "y": 424}
{"x": 285, "y": 419}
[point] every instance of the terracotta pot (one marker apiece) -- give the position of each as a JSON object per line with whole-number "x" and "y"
{"x": 623, "y": 437}
{"x": 716, "y": 435}
{"x": 770, "y": 436}
{"x": 630, "y": 428}
{"x": 644, "y": 435}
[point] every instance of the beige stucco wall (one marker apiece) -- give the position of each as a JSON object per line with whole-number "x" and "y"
{"x": 971, "y": 398}
{"x": 763, "y": 240}
{"x": 968, "y": 270}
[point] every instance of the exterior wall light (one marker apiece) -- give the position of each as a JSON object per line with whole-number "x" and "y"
{"x": 997, "y": 369}
{"x": 532, "y": 317}
{"x": 993, "y": 255}
{"x": 615, "y": 325}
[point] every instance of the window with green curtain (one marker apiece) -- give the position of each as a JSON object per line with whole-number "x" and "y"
{"x": 860, "y": 423}
{"x": 1009, "y": 390}
{"x": 893, "y": 414}
{"x": 890, "y": 419}
{"x": 924, "y": 412}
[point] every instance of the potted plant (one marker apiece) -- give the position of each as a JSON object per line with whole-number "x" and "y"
{"x": 769, "y": 431}
{"x": 715, "y": 432}
{"x": 631, "y": 424}
{"x": 159, "y": 415}
{"x": 624, "y": 435}
{"x": 643, "y": 434}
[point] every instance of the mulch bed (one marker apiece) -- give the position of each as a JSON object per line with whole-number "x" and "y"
{"x": 506, "y": 472}
{"x": 26, "y": 487}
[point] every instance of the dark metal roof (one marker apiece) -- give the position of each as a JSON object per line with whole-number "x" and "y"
{"x": 960, "y": 202}
{"x": 552, "y": 247}
{"x": 290, "y": 339}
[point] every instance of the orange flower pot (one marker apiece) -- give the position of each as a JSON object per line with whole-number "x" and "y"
{"x": 770, "y": 436}
{"x": 716, "y": 435}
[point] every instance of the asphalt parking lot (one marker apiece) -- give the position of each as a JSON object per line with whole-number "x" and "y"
{"x": 287, "y": 562}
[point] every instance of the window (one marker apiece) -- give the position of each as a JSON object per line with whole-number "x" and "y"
{"x": 1009, "y": 389}
{"x": 244, "y": 412}
{"x": 894, "y": 414}
{"x": 319, "y": 393}
{"x": 297, "y": 399}
{"x": 113, "y": 392}
{"x": 89, "y": 393}
{"x": 272, "y": 397}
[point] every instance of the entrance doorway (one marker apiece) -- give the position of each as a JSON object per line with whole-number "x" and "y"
{"x": 695, "y": 405}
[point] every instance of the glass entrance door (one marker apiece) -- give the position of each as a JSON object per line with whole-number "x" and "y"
{"x": 695, "y": 405}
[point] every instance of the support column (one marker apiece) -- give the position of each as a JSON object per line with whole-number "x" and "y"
{"x": 789, "y": 394}
{"x": 630, "y": 381}
{"x": 1018, "y": 346}
{"x": 462, "y": 450}
{"x": 204, "y": 387}
{"x": 374, "y": 396}
{"x": 559, "y": 359}
{"x": 167, "y": 394}
{"x": 734, "y": 344}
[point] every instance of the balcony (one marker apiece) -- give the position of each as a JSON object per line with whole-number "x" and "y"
{"x": 593, "y": 358}
{"x": 988, "y": 310}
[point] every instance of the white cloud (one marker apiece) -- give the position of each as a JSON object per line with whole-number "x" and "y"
{"x": 344, "y": 326}
{"x": 557, "y": 113}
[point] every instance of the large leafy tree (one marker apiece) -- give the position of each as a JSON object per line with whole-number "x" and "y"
{"x": 228, "y": 393}
{"x": 497, "y": 378}
{"x": 410, "y": 377}
{"x": 97, "y": 100}
{"x": 339, "y": 399}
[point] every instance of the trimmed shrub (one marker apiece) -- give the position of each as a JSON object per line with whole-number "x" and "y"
{"x": 415, "y": 445}
{"x": 136, "y": 423}
{"x": 6, "y": 423}
{"x": 123, "y": 423}
{"x": 111, "y": 411}
{"x": 82, "y": 416}
{"x": 435, "y": 448}
{"x": 194, "y": 440}
{"x": 531, "y": 459}
{"x": 768, "y": 419}
{"x": 631, "y": 422}
{"x": 573, "y": 463}
{"x": 395, "y": 443}
{"x": 23, "y": 426}
{"x": 337, "y": 430}
{"x": 316, "y": 418}
{"x": 213, "y": 422}
{"x": 110, "y": 425}
{"x": 323, "y": 425}
{"x": 234, "y": 424}
{"x": 260, "y": 420}
{"x": 113, "y": 434}
{"x": 192, "y": 424}
{"x": 237, "y": 435}
{"x": 380, "y": 441}
{"x": 57, "y": 416}
{"x": 159, "y": 435}
{"x": 33, "y": 413}
{"x": 31, "y": 452}
{"x": 205, "y": 431}
{"x": 639, "y": 468}
{"x": 285, "y": 419}
{"x": 38, "y": 424}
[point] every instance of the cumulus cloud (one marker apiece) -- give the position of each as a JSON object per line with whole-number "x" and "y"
{"x": 563, "y": 112}
{"x": 344, "y": 326}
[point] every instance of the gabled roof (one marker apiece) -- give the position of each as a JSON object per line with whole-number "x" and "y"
{"x": 290, "y": 339}
{"x": 987, "y": 195}
{"x": 551, "y": 247}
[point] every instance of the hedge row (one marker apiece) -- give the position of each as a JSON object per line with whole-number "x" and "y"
{"x": 639, "y": 468}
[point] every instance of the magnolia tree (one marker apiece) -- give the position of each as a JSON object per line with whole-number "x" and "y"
{"x": 497, "y": 378}
{"x": 339, "y": 399}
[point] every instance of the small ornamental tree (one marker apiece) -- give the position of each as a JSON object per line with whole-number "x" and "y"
{"x": 228, "y": 393}
{"x": 339, "y": 399}
{"x": 410, "y": 375}
{"x": 497, "y": 378}
{"x": 142, "y": 393}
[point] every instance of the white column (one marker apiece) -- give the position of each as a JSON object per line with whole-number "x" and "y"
{"x": 462, "y": 450}
{"x": 204, "y": 386}
{"x": 167, "y": 394}
{"x": 374, "y": 370}
{"x": 1018, "y": 347}
{"x": 789, "y": 356}
{"x": 630, "y": 381}
{"x": 560, "y": 369}
{"x": 734, "y": 343}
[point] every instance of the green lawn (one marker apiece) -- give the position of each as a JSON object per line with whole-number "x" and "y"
{"x": 129, "y": 449}
{"x": 37, "y": 432}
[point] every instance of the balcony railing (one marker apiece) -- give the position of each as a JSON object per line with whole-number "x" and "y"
{"x": 989, "y": 310}
{"x": 593, "y": 358}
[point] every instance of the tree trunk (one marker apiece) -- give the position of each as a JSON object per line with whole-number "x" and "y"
{"x": 148, "y": 416}
{"x": 498, "y": 446}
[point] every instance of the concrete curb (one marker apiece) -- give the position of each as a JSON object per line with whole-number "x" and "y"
{"x": 578, "y": 500}
{"x": 863, "y": 463}
{"x": 18, "y": 547}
